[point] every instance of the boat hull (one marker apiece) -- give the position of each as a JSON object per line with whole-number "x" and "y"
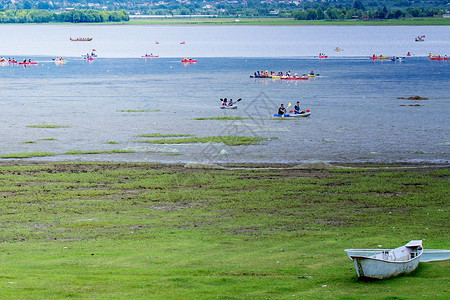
{"x": 378, "y": 269}
{"x": 292, "y": 115}
{"x": 228, "y": 107}
{"x": 388, "y": 263}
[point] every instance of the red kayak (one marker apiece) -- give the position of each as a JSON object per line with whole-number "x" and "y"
{"x": 323, "y": 56}
{"x": 12, "y": 61}
{"x": 188, "y": 60}
{"x": 439, "y": 58}
{"x": 28, "y": 63}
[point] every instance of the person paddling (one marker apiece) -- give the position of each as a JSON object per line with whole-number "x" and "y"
{"x": 281, "y": 110}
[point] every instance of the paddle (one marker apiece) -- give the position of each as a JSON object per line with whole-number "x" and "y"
{"x": 287, "y": 108}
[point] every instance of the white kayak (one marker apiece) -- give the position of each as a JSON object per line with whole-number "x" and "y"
{"x": 228, "y": 107}
{"x": 306, "y": 114}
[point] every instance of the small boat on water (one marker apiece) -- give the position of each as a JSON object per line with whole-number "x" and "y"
{"x": 228, "y": 107}
{"x": 80, "y": 39}
{"x": 188, "y": 60}
{"x": 302, "y": 114}
{"x": 398, "y": 58}
{"x": 28, "y": 63}
{"x": 388, "y": 262}
{"x": 149, "y": 56}
{"x": 420, "y": 38}
{"x": 438, "y": 57}
{"x": 379, "y": 57}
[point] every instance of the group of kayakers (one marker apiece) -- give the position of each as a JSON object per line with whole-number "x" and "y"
{"x": 10, "y": 59}
{"x": 287, "y": 74}
{"x": 282, "y": 109}
{"x": 271, "y": 73}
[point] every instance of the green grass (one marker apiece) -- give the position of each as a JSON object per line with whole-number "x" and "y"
{"x": 220, "y": 118}
{"x": 140, "y": 231}
{"x": 227, "y": 140}
{"x": 138, "y": 110}
{"x": 160, "y": 135}
{"x": 48, "y": 126}
{"x": 71, "y": 152}
{"x": 26, "y": 154}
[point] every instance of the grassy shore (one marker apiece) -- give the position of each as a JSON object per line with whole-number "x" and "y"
{"x": 114, "y": 231}
{"x": 290, "y": 21}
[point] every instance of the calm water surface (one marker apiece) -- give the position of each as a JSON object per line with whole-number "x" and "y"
{"x": 106, "y": 104}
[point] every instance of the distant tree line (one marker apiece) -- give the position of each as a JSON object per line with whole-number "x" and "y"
{"x": 359, "y": 12}
{"x": 73, "y": 16}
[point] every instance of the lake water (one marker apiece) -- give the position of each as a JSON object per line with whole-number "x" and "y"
{"x": 107, "y": 103}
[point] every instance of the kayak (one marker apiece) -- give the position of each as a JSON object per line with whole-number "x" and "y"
{"x": 81, "y": 39}
{"x": 12, "y": 61}
{"x": 188, "y": 60}
{"x": 322, "y": 56}
{"x": 60, "y": 60}
{"x": 379, "y": 57}
{"x": 149, "y": 56}
{"x": 306, "y": 114}
{"x": 439, "y": 58}
{"x": 294, "y": 77}
{"x": 228, "y": 107}
{"x": 28, "y": 63}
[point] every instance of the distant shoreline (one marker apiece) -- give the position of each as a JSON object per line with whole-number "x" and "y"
{"x": 263, "y": 22}
{"x": 289, "y": 22}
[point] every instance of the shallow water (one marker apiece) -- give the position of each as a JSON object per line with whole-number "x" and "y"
{"x": 356, "y": 116}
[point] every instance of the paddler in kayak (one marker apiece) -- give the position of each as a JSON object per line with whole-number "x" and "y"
{"x": 224, "y": 102}
{"x": 231, "y": 102}
{"x": 297, "y": 109}
{"x": 281, "y": 110}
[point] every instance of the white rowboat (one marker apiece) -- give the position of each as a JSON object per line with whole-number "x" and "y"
{"x": 387, "y": 263}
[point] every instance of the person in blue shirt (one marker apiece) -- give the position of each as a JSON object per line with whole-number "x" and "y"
{"x": 297, "y": 109}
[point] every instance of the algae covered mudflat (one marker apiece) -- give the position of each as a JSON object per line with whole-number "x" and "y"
{"x": 164, "y": 231}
